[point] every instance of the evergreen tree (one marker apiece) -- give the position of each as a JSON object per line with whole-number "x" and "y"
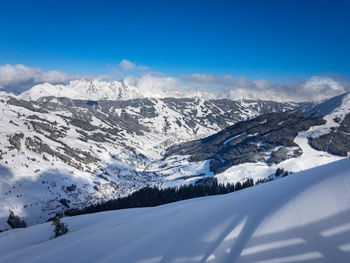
{"x": 153, "y": 196}
{"x": 60, "y": 227}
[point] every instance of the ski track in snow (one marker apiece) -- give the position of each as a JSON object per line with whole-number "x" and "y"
{"x": 310, "y": 158}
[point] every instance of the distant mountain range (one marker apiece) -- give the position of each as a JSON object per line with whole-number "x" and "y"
{"x": 66, "y": 146}
{"x": 84, "y": 90}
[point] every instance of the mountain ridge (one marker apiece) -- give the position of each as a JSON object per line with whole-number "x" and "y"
{"x": 83, "y": 89}
{"x": 77, "y": 152}
{"x": 294, "y": 141}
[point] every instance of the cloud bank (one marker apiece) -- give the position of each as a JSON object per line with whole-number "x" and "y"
{"x": 18, "y": 78}
{"x": 314, "y": 88}
{"x": 161, "y": 86}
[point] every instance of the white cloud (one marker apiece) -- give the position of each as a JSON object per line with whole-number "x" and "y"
{"x": 17, "y": 78}
{"x": 314, "y": 88}
{"x": 160, "y": 86}
{"x": 127, "y": 65}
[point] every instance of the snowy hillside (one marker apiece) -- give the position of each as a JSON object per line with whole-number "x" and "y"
{"x": 300, "y": 218}
{"x": 58, "y": 153}
{"x": 294, "y": 141}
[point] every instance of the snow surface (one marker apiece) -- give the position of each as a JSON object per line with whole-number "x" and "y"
{"x": 310, "y": 158}
{"x": 304, "y": 217}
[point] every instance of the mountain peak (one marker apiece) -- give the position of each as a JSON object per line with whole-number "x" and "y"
{"x": 83, "y": 89}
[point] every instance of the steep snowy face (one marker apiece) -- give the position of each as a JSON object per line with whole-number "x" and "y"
{"x": 301, "y": 218}
{"x": 59, "y": 153}
{"x": 83, "y": 89}
{"x": 334, "y": 136}
{"x": 336, "y": 104}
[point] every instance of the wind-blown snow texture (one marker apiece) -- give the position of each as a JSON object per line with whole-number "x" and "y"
{"x": 301, "y": 218}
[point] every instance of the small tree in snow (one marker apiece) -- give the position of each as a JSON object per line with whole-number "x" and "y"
{"x": 15, "y": 221}
{"x": 279, "y": 172}
{"x": 60, "y": 227}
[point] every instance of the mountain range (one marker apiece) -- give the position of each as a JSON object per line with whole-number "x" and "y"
{"x": 68, "y": 146}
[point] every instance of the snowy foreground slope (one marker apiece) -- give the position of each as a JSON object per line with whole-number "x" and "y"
{"x": 301, "y": 218}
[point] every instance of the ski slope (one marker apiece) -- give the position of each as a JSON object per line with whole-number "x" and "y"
{"x": 304, "y": 217}
{"x": 310, "y": 158}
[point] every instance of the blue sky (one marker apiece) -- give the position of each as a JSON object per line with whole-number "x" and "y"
{"x": 277, "y": 40}
{"x": 281, "y": 50}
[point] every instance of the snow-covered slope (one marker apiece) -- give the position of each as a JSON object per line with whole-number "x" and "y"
{"x": 58, "y": 153}
{"x": 304, "y": 217}
{"x": 294, "y": 141}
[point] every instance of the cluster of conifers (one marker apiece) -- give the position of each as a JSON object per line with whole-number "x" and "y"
{"x": 152, "y": 196}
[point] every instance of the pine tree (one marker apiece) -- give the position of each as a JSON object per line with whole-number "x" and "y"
{"x": 60, "y": 227}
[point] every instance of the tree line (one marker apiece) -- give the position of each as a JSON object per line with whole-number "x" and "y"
{"x": 153, "y": 196}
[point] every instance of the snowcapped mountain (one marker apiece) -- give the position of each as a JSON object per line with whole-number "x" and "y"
{"x": 300, "y": 218}
{"x": 294, "y": 141}
{"x": 58, "y": 153}
{"x": 84, "y": 90}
